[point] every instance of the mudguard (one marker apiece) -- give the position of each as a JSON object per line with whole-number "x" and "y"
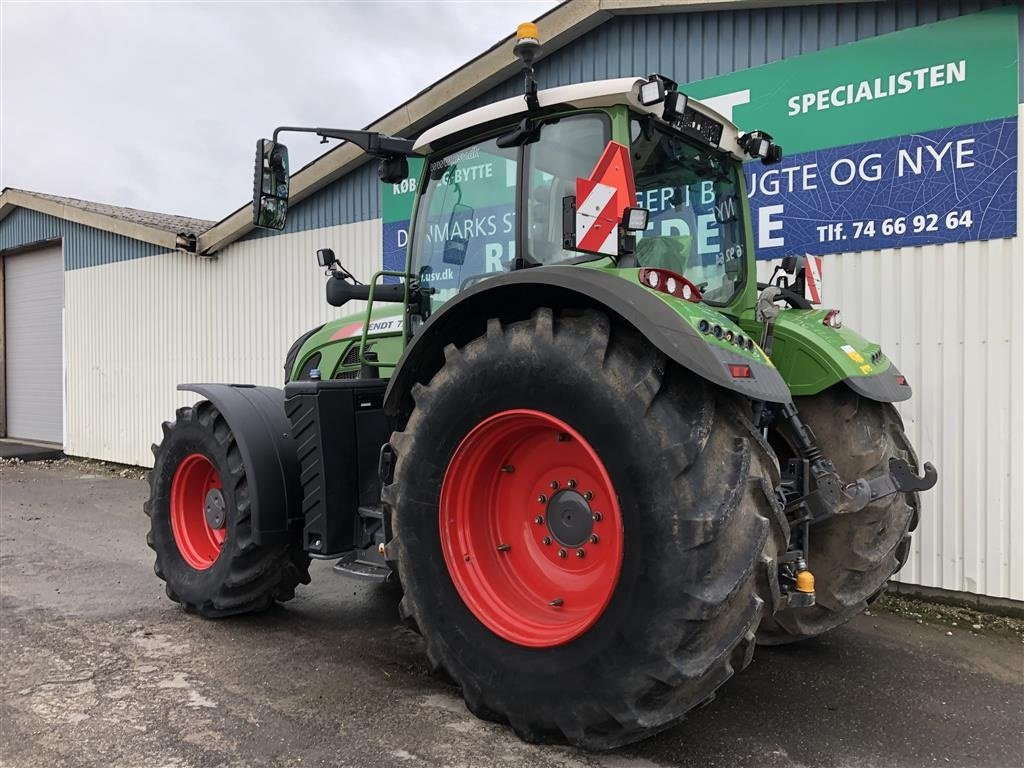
{"x": 257, "y": 419}
{"x": 812, "y": 357}
{"x": 513, "y": 296}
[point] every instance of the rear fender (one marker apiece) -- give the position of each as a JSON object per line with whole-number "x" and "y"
{"x": 663, "y": 320}
{"x": 257, "y": 420}
{"x": 812, "y": 357}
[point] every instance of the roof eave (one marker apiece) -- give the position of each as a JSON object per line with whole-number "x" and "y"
{"x": 15, "y": 198}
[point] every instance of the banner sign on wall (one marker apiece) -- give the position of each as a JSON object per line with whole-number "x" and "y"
{"x": 905, "y": 139}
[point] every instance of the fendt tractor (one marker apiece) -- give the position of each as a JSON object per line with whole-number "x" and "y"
{"x": 601, "y": 462}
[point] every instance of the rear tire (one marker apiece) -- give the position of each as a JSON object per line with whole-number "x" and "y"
{"x": 212, "y": 570}
{"x": 851, "y": 556}
{"x": 701, "y": 526}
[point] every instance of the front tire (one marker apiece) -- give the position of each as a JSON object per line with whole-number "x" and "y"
{"x": 201, "y": 523}
{"x": 687, "y": 537}
{"x": 851, "y": 556}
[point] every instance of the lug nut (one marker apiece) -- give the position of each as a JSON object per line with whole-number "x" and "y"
{"x": 563, "y": 437}
{"x": 554, "y": 485}
{"x": 539, "y": 519}
{"x": 594, "y": 538}
{"x": 588, "y": 495}
{"x": 562, "y": 553}
{"x": 508, "y": 468}
{"x": 541, "y": 499}
{"x": 546, "y": 540}
{"x": 504, "y": 547}
{"x": 556, "y": 602}
{"x": 581, "y": 552}
{"x": 571, "y": 483}
{"x": 598, "y": 517}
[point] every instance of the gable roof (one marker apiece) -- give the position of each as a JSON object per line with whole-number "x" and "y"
{"x": 558, "y": 27}
{"x": 163, "y": 229}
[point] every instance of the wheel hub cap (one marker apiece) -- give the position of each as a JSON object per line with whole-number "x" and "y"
{"x": 570, "y": 519}
{"x": 216, "y": 513}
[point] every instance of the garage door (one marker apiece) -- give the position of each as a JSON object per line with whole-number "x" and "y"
{"x": 33, "y": 298}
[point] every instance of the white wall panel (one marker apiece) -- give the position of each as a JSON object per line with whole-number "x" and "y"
{"x": 135, "y": 329}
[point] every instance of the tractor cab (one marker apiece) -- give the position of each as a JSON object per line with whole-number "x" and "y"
{"x": 520, "y": 198}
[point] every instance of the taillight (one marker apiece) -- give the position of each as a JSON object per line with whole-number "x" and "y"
{"x": 901, "y": 379}
{"x": 740, "y": 371}
{"x": 833, "y": 319}
{"x": 669, "y": 282}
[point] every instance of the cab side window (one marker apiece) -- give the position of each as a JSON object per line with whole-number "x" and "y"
{"x": 567, "y": 148}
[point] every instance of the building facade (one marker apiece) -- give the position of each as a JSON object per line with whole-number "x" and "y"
{"x": 145, "y": 304}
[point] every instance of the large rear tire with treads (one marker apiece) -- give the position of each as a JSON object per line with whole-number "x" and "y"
{"x": 586, "y": 533}
{"x": 851, "y": 556}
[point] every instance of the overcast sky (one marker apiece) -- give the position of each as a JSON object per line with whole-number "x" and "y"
{"x": 158, "y": 106}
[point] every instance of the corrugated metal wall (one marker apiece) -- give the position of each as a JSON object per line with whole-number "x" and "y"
{"x": 177, "y": 318}
{"x": 951, "y": 318}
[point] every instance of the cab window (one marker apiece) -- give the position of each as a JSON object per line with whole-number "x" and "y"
{"x": 465, "y": 226}
{"x": 567, "y": 148}
{"x": 696, "y": 227}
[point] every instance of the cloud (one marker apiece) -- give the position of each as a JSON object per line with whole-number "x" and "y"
{"x": 159, "y": 106}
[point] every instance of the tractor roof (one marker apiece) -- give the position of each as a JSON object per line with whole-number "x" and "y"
{"x": 598, "y": 93}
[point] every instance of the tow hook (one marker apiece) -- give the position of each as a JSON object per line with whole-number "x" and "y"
{"x": 900, "y": 478}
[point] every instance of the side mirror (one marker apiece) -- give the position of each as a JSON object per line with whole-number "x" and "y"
{"x": 270, "y": 185}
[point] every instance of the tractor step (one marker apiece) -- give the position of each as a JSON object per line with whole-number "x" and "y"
{"x": 365, "y": 565}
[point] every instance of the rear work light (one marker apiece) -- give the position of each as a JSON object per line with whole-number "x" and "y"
{"x": 669, "y": 282}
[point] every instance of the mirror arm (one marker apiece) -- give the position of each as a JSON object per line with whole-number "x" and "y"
{"x": 371, "y": 142}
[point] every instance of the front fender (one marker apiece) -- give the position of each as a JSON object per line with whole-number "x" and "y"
{"x": 669, "y": 324}
{"x": 812, "y": 357}
{"x": 258, "y": 422}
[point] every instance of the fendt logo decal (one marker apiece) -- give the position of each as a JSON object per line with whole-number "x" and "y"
{"x": 601, "y": 199}
{"x": 384, "y": 325}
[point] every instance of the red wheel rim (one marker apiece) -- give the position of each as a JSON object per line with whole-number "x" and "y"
{"x": 199, "y": 542}
{"x": 531, "y": 528}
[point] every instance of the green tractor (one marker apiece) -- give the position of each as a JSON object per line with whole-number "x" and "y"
{"x": 602, "y": 462}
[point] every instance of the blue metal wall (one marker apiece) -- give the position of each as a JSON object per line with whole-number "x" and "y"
{"x": 695, "y": 46}
{"x": 83, "y": 246}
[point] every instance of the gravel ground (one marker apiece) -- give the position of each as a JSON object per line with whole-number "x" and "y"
{"x": 100, "y": 669}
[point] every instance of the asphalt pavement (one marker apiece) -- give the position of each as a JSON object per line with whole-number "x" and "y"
{"x": 99, "y": 668}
